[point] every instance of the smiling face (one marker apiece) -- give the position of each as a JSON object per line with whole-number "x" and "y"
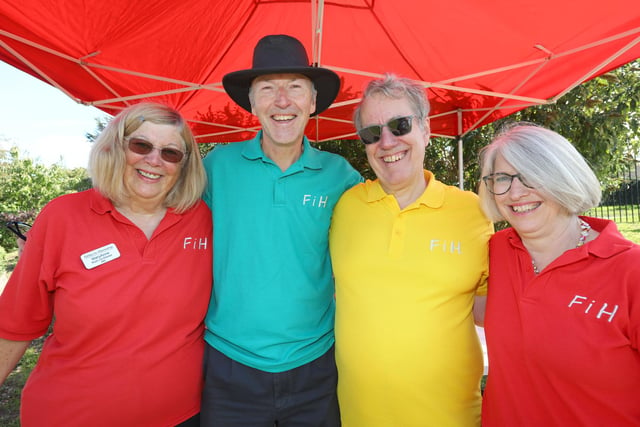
{"x": 283, "y": 104}
{"x": 529, "y": 211}
{"x": 398, "y": 161}
{"x": 148, "y": 178}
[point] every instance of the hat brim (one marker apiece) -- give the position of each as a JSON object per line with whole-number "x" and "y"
{"x": 326, "y": 82}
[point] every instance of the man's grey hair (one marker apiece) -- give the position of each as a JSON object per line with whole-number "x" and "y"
{"x": 394, "y": 87}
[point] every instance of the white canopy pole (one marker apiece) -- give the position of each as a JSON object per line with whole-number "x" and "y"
{"x": 460, "y": 154}
{"x": 317, "y": 20}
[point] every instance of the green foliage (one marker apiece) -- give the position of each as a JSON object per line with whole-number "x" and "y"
{"x": 27, "y": 186}
{"x": 205, "y": 148}
{"x": 442, "y": 160}
{"x": 630, "y": 230}
{"x": 353, "y": 151}
{"x": 600, "y": 117}
{"x": 11, "y": 389}
{"x": 101, "y": 123}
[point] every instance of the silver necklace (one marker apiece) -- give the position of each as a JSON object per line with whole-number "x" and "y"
{"x": 584, "y": 232}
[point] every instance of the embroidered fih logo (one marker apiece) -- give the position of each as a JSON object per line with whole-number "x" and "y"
{"x": 197, "y": 243}
{"x": 315, "y": 201}
{"x": 450, "y": 246}
{"x": 579, "y": 300}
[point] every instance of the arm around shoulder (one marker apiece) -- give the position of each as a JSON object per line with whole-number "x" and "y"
{"x": 479, "y": 307}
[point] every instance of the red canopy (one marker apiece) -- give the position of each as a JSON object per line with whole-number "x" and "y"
{"x": 478, "y": 60}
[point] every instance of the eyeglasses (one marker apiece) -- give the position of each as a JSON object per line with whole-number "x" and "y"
{"x": 19, "y": 228}
{"x": 398, "y": 127}
{"x": 500, "y": 183}
{"x": 140, "y": 146}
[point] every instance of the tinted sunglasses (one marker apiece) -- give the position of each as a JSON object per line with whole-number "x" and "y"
{"x": 398, "y": 127}
{"x": 168, "y": 154}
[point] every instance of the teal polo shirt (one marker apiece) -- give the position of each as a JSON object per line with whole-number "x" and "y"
{"x": 272, "y": 305}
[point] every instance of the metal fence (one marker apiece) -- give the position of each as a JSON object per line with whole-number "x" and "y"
{"x": 623, "y": 203}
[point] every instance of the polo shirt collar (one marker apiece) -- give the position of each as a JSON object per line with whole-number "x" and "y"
{"x": 102, "y": 205}
{"x": 608, "y": 243}
{"x": 432, "y": 197}
{"x": 309, "y": 159}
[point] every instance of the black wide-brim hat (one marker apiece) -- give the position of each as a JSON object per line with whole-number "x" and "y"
{"x": 282, "y": 54}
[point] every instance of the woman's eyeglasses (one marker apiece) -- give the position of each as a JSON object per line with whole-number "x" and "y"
{"x": 19, "y": 228}
{"x": 398, "y": 127}
{"x": 500, "y": 183}
{"x": 140, "y": 146}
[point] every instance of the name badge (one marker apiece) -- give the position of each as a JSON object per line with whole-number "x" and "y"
{"x": 100, "y": 256}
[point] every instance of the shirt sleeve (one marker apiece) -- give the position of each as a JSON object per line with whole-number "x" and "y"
{"x": 482, "y": 288}
{"x": 353, "y": 176}
{"x": 26, "y": 304}
{"x": 483, "y": 283}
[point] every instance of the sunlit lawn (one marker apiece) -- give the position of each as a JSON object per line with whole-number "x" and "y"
{"x": 631, "y": 231}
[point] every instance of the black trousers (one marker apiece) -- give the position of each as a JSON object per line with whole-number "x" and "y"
{"x": 191, "y": 422}
{"x": 236, "y": 395}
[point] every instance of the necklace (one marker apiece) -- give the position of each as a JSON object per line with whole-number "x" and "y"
{"x": 584, "y": 232}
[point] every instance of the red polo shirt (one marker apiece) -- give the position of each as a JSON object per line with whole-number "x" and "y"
{"x": 126, "y": 347}
{"x": 563, "y": 344}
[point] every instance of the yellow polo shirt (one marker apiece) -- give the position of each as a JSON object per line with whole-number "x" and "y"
{"x": 406, "y": 346}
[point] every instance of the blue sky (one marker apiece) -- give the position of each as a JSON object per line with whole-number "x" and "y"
{"x": 42, "y": 121}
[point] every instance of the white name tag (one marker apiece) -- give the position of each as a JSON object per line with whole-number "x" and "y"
{"x": 100, "y": 256}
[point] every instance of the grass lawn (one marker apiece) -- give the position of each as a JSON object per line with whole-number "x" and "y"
{"x": 631, "y": 231}
{"x": 10, "y": 390}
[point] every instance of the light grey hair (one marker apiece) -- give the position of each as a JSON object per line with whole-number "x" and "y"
{"x": 394, "y": 87}
{"x": 547, "y": 161}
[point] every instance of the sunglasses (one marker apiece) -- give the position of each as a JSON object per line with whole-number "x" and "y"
{"x": 19, "y": 228}
{"x": 168, "y": 154}
{"x": 398, "y": 127}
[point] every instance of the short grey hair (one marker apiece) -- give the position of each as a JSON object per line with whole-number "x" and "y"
{"x": 394, "y": 87}
{"x": 548, "y": 162}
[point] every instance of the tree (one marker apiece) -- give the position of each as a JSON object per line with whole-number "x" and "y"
{"x": 351, "y": 150}
{"x": 600, "y": 117}
{"x": 28, "y": 186}
{"x": 101, "y": 123}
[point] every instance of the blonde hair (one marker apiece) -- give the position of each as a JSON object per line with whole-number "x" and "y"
{"x": 548, "y": 162}
{"x": 107, "y": 159}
